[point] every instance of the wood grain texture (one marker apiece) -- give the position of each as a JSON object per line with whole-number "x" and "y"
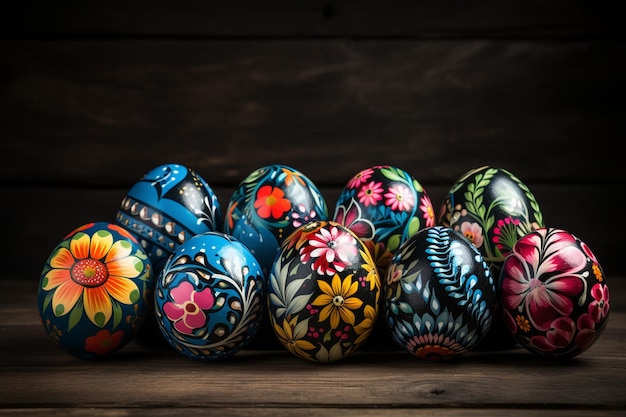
{"x": 102, "y": 113}
{"x": 298, "y": 411}
{"x": 312, "y": 18}
{"x": 37, "y": 375}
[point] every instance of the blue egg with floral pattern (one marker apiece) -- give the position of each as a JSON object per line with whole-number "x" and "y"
{"x": 95, "y": 290}
{"x": 439, "y": 295}
{"x": 268, "y": 205}
{"x": 209, "y": 297}
{"x": 167, "y": 206}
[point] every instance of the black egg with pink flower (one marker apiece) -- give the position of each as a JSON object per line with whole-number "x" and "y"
{"x": 554, "y": 294}
{"x": 323, "y": 292}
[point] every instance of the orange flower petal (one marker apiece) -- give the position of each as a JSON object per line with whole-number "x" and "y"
{"x": 129, "y": 267}
{"x": 101, "y": 243}
{"x": 349, "y": 287}
{"x": 122, "y": 289}
{"x": 98, "y": 305}
{"x": 336, "y": 283}
{"x": 54, "y": 278}
{"x": 322, "y": 300}
{"x": 79, "y": 245}
{"x": 325, "y": 288}
{"x": 347, "y": 316}
{"x": 65, "y": 297}
{"x": 62, "y": 258}
{"x": 119, "y": 249}
{"x": 352, "y": 303}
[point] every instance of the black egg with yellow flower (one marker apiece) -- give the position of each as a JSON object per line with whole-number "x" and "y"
{"x": 95, "y": 290}
{"x": 323, "y": 292}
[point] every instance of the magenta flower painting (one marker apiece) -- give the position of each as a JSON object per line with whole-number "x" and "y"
{"x": 553, "y": 294}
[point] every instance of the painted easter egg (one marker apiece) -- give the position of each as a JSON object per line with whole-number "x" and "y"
{"x": 95, "y": 290}
{"x": 209, "y": 298}
{"x": 554, "y": 294}
{"x": 166, "y": 207}
{"x": 439, "y": 295}
{"x": 268, "y": 205}
{"x": 323, "y": 292}
{"x": 384, "y": 205}
{"x": 493, "y": 209}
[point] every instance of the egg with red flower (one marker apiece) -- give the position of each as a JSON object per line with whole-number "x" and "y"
{"x": 554, "y": 294}
{"x": 268, "y": 205}
{"x": 95, "y": 290}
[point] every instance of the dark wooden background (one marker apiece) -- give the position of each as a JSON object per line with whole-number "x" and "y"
{"x": 95, "y": 94}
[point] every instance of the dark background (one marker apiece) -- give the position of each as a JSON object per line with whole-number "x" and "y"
{"x": 93, "y": 95}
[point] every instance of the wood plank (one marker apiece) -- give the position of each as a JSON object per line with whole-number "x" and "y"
{"x": 309, "y": 18}
{"x": 102, "y": 113}
{"x": 304, "y": 411}
{"x": 39, "y": 375}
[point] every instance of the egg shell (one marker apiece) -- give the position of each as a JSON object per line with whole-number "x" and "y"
{"x": 268, "y": 205}
{"x": 554, "y": 294}
{"x": 166, "y": 207}
{"x": 209, "y": 297}
{"x": 384, "y": 205}
{"x": 493, "y": 209}
{"x": 439, "y": 295}
{"x": 95, "y": 290}
{"x": 323, "y": 292}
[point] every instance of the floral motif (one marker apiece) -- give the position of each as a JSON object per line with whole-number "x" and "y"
{"x": 301, "y": 216}
{"x": 187, "y": 309}
{"x": 599, "y": 307}
{"x": 496, "y": 203}
{"x": 506, "y": 233}
{"x": 271, "y": 201}
{"x": 337, "y": 300}
{"x": 323, "y": 292}
{"x": 473, "y": 232}
{"x": 352, "y": 218}
{"x": 552, "y": 299}
{"x": 104, "y": 342}
{"x": 399, "y": 197}
{"x": 544, "y": 301}
{"x": 332, "y": 250}
{"x": 291, "y": 335}
{"x": 371, "y": 193}
{"x": 428, "y": 212}
{"x": 361, "y": 178}
{"x": 92, "y": 271}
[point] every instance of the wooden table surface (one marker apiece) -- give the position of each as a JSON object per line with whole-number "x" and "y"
{"x": 38, "y": 378}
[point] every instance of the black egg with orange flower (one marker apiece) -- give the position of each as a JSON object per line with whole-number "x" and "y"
{"x": 323, "y": 292}
{"x": 94, "y": 290}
